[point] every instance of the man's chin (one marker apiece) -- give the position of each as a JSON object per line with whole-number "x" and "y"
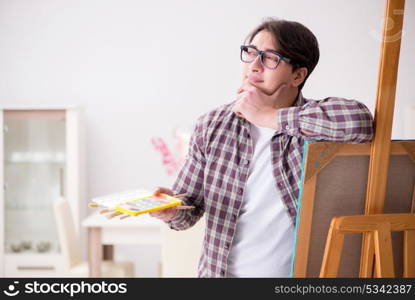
{"x": 266, "y": 90}
{"x": 260, "y": 86}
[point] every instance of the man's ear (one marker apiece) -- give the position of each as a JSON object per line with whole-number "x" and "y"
{"x": 299, "y": 76}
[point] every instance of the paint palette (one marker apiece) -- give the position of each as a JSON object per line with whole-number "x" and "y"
{"x": 135, "y": 202}
{"x": 147, "y": 204}
{"x": 112, "y": 200}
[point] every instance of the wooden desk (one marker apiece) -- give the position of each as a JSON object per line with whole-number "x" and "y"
{"x": 103, "y": 233}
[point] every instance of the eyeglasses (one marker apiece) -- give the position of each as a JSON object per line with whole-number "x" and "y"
{"x": 269, "y": 58}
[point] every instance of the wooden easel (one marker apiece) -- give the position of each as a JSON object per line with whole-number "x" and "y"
{"x": 377, "y": 227}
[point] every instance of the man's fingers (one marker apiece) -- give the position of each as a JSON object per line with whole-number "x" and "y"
{"x": 164, "y": 214}
{"x": 236, "y": 107}
{"x": 242, "y": 95}
{"x": 247, "y": 86}
{"x": 162, "y": 190}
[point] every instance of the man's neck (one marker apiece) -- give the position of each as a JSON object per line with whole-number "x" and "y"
{"x": 288, "y": 99}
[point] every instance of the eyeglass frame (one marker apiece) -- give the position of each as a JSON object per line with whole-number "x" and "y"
{"x": 260, "y": 53}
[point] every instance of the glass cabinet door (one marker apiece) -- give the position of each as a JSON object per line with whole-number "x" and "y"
{"x": 34, "y": 170}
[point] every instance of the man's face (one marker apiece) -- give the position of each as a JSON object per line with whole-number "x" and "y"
{"x": 266, "y": 79}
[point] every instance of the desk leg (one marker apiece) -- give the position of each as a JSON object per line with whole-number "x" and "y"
{"x": 108, "y": 252}
{"x": 95, "y": 251}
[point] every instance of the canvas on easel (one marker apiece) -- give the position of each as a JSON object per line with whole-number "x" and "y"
{"x": 334, "y": 182}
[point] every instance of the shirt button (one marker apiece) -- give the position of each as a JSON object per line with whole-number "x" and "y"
{"x": 240, "y": 191}
{"x": 245, "y": 162}
{"x": 280, "y": 185}
{"x": 234, "y": 217}
{"x": 287, "y": 127}
{"x": 227, "y": 246}
{"x": 222, "y": 272}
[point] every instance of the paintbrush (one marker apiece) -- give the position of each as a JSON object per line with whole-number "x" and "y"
{"x": 102, "y": 211}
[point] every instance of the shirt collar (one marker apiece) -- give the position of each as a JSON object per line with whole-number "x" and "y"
{"x": 300, "y": 99}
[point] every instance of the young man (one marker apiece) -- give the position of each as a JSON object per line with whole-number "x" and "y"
{"x": 244, "y": 162}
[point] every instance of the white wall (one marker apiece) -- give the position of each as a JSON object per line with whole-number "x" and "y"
{"x": 142, "y": 68}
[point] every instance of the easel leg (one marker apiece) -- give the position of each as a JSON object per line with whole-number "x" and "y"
{"x": 368, "y": 254}
{"x": 409, "y": 254}
{"x": 383, "y": 251}
{"x": 332, "y": 252}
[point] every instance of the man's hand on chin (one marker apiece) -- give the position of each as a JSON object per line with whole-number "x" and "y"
{"x": 262, "y": 116}
{"x": 258, "y": 107}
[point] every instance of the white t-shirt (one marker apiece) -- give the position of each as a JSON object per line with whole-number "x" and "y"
{"x": 263, "y": 241}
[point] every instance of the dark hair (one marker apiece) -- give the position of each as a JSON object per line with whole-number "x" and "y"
{"x": 294, "y": 41}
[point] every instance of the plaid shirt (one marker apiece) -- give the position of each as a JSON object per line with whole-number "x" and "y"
{"x": 216, "y": 168}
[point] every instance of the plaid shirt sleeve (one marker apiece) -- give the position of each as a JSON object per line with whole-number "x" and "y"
{"x": 190, "y": 181}
{"x": 330, "y": 119}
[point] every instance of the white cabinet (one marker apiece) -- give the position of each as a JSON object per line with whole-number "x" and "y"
{"x": 41, "y": 160}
